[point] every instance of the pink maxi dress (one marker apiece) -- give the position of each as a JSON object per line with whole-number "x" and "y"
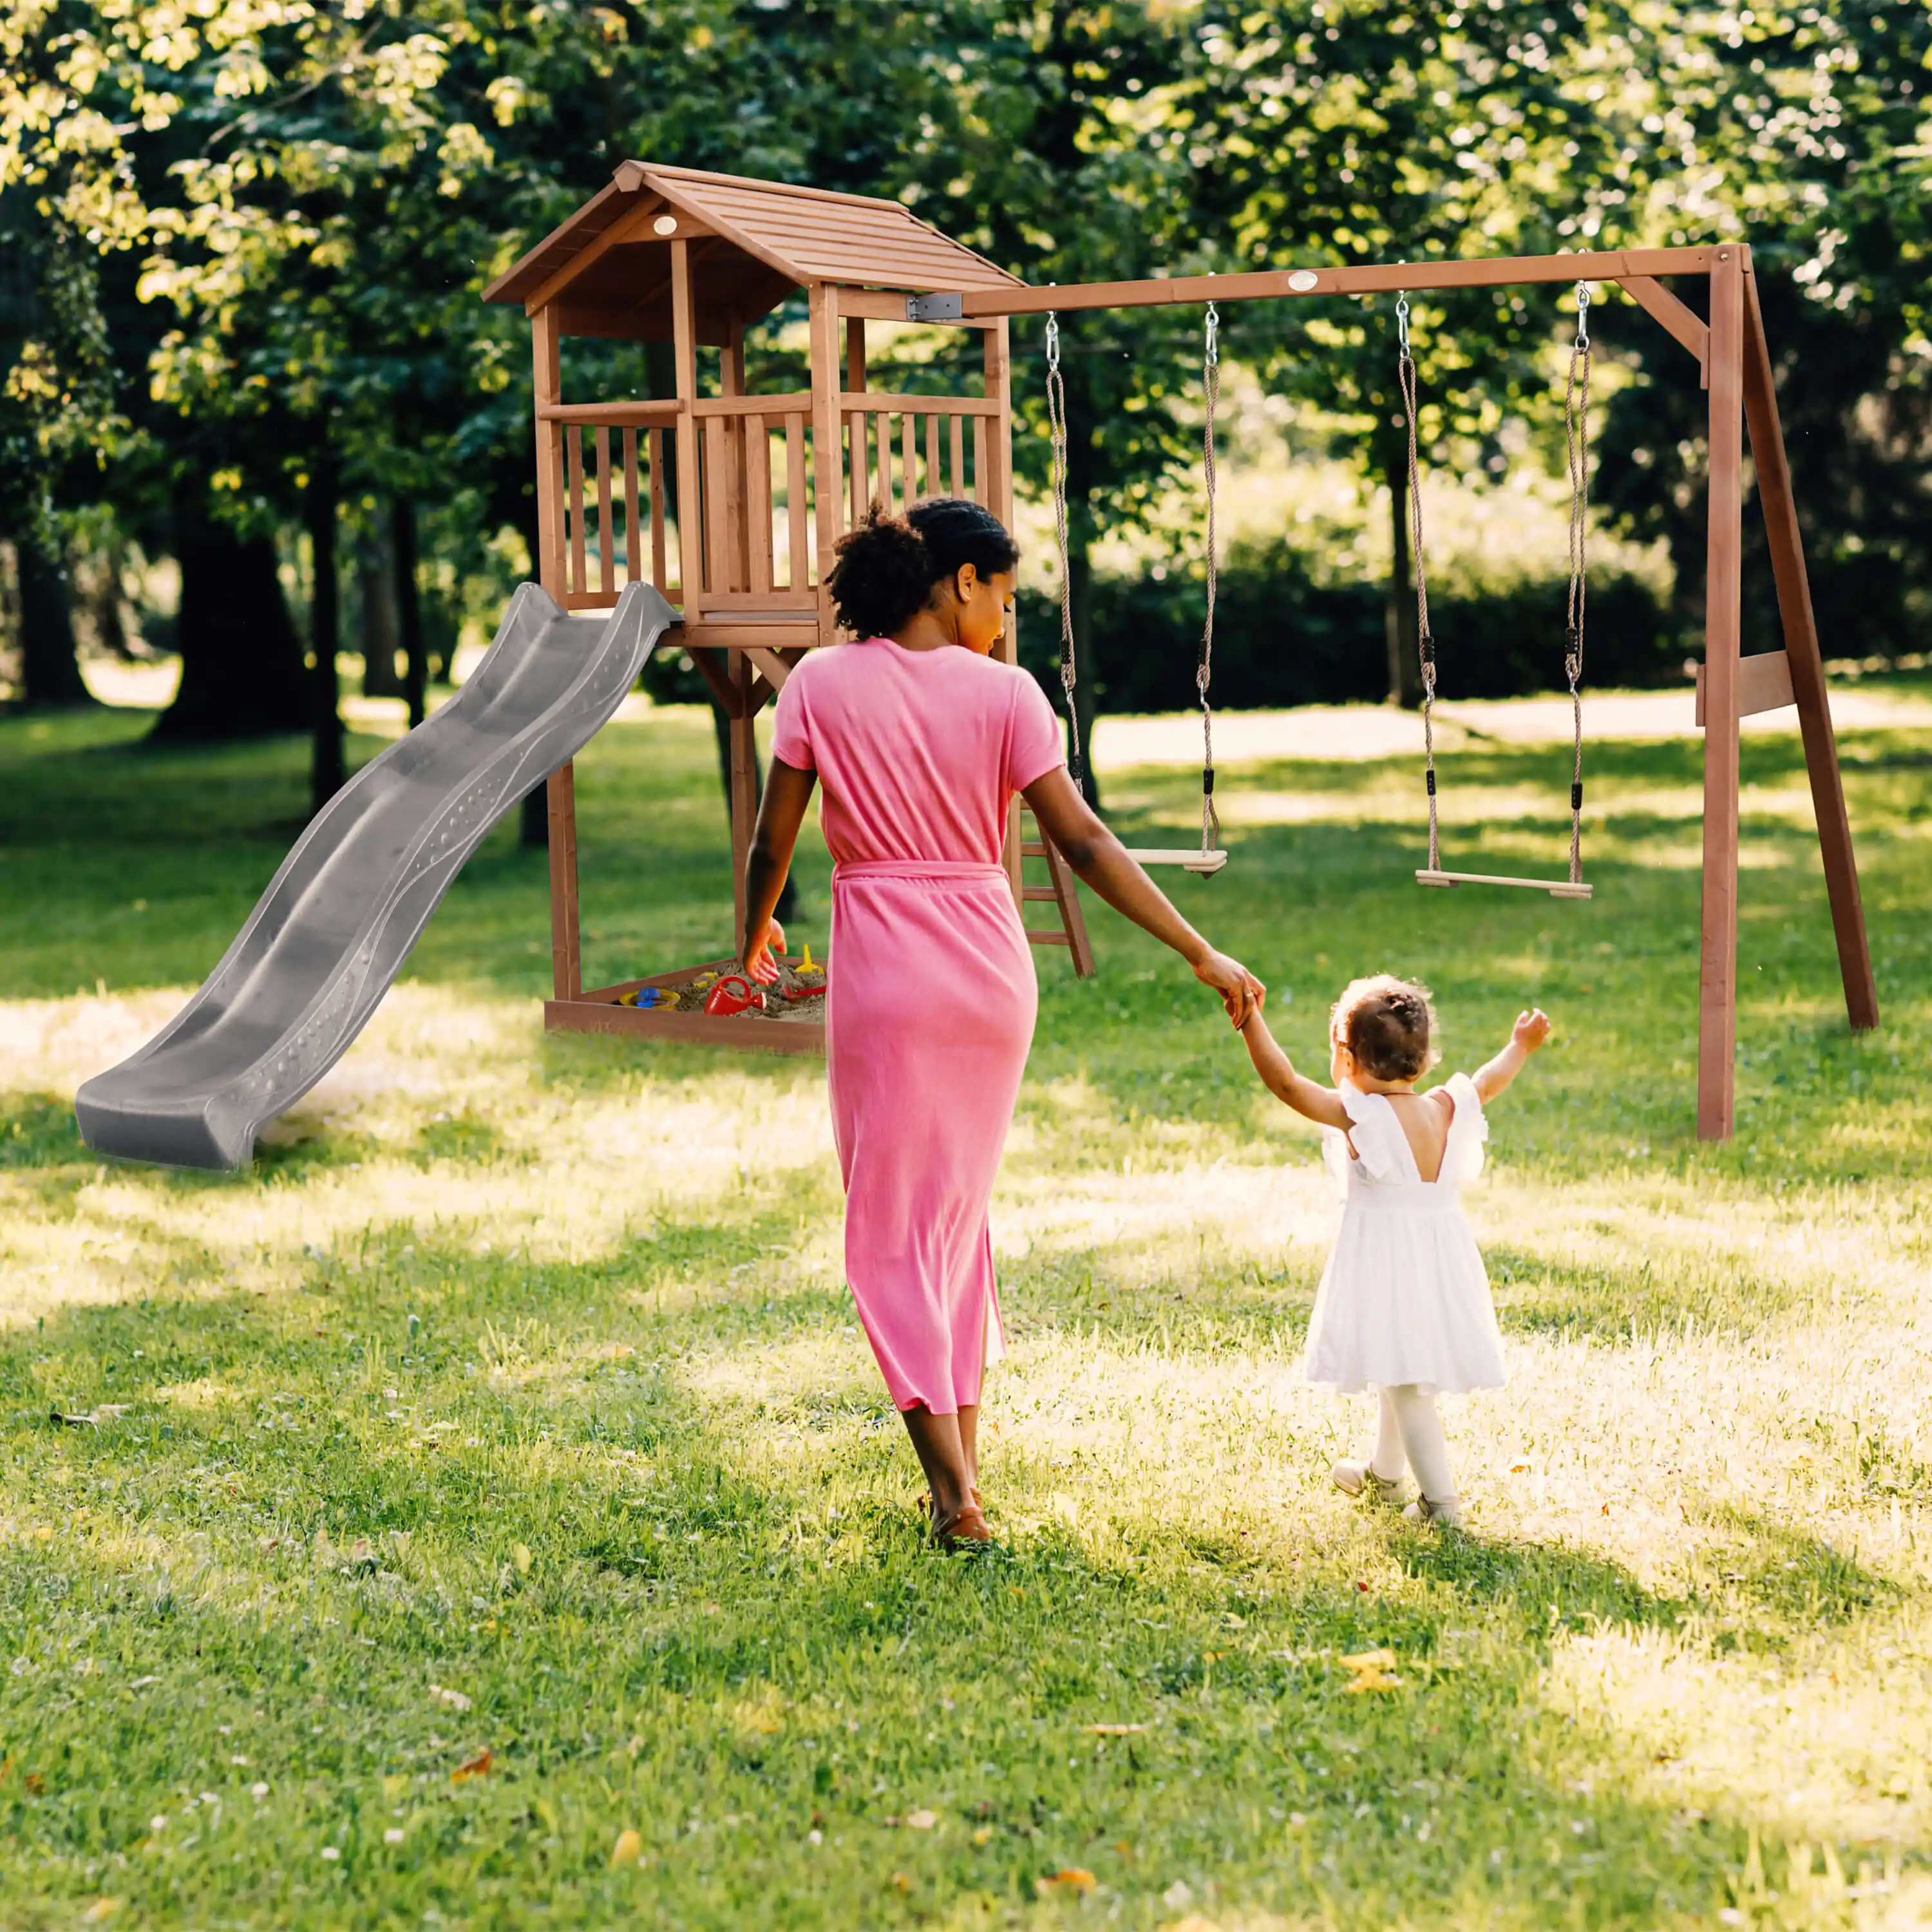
{"x": 932, "y": 995}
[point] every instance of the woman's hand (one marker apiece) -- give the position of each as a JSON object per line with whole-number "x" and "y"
{"x": 1241, "y": 993}
{"x": 757, "y": 963}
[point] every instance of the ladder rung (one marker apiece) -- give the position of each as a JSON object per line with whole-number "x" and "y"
{"x": 1557, "y": 889}
{"x": 1041, "y": 936}
{"x": 1029, "y": 849}
{"x": 1039, "y": 892}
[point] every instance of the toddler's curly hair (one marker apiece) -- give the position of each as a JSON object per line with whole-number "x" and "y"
{"x": 1388, "y": 1024}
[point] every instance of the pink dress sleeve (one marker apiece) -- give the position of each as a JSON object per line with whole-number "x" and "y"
{"x": 1033, "y": 745}
{"x": 791, "y": 725}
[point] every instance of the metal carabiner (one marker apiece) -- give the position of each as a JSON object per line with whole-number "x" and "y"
{"x": 1583, "y": 315}
{"x": 1402, "y": 320}
{"x": 1214, "y": 348}
{"x": 1052, "y": 339}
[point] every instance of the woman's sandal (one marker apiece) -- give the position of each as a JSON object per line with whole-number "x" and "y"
{"x": 966, "y": 1525}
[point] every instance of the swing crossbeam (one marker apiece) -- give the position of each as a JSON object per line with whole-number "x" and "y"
{"x": 1557, "y": 889}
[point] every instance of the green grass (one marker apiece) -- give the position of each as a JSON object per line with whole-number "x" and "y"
{"x": 515, "y": 1403}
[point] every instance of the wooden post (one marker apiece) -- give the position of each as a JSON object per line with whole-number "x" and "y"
{"x": 1807, "y": 666}
{"x": 823, "y": 300}
{"x": 560, "y": 793}
{"x": 690, "y": 496}
{"x": 996, "y": 492}
{"x": 1717, "y": 969}
{"x": 744, "y": 786}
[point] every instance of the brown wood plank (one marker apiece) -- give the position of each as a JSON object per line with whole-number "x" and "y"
{"x": 566, "y": 955}
{"x": 634, "y": 535}
{"x": 935, "y": 477}
{"x": 546, "y": 378}
{"x": 734, "y": 403}
{"x": 1064, "y": 891}
{"x": 745, "y": 1036}
{"x": 1764, "y": 684}
{"x": 1717, "y": 950}
{"x": 1806, "y": 668}
{"x": 573, "y": 440}
{"x": 744, "y": 790}
{"x": 883, "y": 305}
{"x": 659, "y": 574}
{"x": 616, "y": 414}
{"x": 957, "y": 429}
{"x": 722, "y": 633}
{"x": 822, "y": 316}
{"x": 909, "y": 459}
{"x": 633, "y": 224}
{"x": 882, "y": 478}
{"x": 773, "y": 666}
{"x": 719, "y": 574}
{"x": 684, "y": 356}
{"x": 607, "y": 551}
{"x": 798, "y": 565}
{"x": 855, "y": 359}
{"x": 739, "y": 601}
{"x": 758, "y": 514}
{"x": 714, "y": 669}
{"x": 940, "y": 406}
{"x": 978, "y": 491}
{"x": 1377, "y": 279}
{"x": 1680, "y": 322}
{"x": 999, "y": 387}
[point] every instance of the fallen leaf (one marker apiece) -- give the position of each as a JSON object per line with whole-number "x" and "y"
{"x": 921, "y": 1820}
{"x": 454, "y": 1699}
{"x": 1116, "y": 1730}
{"x": 628, "y": 1849}
{"x": 900, "y": 1882}
{"x": 101, "y": 1908}
{"x": 36, "y": 1783}
{"x": 481, "y": 1766}
{"x": 520, "y": 1554}
{"x": 1369, "y": 1660}
{"x": 1075, "y": 1878}
{"x": 983, "y": 1836}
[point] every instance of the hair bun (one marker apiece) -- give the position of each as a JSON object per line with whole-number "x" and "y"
{"x": 886, "y": 568}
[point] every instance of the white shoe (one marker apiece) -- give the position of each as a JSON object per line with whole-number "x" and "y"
{"x": 1352, "y": 1478}
{"x": 1425, "y": 1509}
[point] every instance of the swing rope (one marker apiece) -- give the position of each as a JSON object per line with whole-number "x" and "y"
{"x": 1211, "y": 822}
{"x": 1056, "y": 424}
{"x": 1425, "y": 643}
{"x": 1577, "y": 432}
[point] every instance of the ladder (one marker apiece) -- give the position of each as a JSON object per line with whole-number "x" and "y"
{"x": 1061, "y": 891}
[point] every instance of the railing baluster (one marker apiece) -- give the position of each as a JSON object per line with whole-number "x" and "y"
{"x": 799, "y": 564}
{"x": 634, "y": 537}
{"x": 574, "y": 453}
{"x": 758, "y": 480}
{"x": 607, "y": 560}
{"x": 659, "y": 576}
{"x": 958, "y": 440}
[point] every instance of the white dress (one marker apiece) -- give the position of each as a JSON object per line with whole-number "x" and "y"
{"x": 1404, "y": 1298}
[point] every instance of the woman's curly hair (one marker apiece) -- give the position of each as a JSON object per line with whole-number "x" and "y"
{"x": 1388, "y": 1025}
{"x": 887, "y": 567}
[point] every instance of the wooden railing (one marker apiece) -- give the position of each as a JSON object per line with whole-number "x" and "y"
{"x": 617, "y": 467}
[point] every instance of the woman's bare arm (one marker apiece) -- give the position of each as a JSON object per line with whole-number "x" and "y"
{"x": 781, "y": 813}
{"x": 1101, "y": 860}
{"x": 1322, "y": 1105}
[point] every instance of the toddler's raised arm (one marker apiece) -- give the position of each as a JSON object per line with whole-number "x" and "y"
{"x": 1322, "y": 1105}
{"x": 1530, "y": 1030}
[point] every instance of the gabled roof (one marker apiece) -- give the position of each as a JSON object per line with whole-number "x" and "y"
{"x": 757, "y": 241}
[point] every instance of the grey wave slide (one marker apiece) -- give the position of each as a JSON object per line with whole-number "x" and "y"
{"x": 332, "y": 931}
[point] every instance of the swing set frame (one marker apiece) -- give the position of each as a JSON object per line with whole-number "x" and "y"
{"x": 731, "y": 503}
{"x": 1734, "y": 361}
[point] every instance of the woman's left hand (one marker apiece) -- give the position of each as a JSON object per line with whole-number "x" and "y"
{"x": 758, "y": 960}
{"x": 1241, "y": 993}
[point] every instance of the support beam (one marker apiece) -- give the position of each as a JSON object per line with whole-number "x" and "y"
{"x": 566, "y": 958}
{"x": 1718, "y": 952}
{"x": 1657, "y": 300}
{"x": 826, "y": 466}
{"x": 744, "y": 791}
{"x": 690, "y": 496}
{"x": 1806, "y": 669}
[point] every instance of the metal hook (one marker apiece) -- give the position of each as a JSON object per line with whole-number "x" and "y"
{"x": 1052, "y": 339}
{"x": 1583, "y": 315}
{"x": 1402, "y": 320}
{"x": 1214, "y": 352}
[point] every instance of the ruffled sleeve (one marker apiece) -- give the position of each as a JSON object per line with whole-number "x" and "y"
{"x": 1381, "y": 1147}
{"x": 1468, "y": 1129}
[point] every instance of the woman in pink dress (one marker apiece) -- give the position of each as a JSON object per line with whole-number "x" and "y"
{"x": 921, "y": 739}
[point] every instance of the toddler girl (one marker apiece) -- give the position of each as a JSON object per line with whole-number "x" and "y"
{"x": 1404, "y": 1304}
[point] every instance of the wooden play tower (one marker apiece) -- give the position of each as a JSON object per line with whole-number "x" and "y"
{"x": 731, "y": 503}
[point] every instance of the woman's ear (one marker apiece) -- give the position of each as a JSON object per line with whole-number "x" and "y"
{"x": 965, "y": 581}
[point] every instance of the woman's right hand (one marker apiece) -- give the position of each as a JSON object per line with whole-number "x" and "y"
{"x": 756, "y": 962}
{"x": 1241, "y": 993}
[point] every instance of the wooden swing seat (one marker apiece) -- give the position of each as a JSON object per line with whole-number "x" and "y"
{"x": 1557, "y": 889}
{"x": 1205, "y": 864}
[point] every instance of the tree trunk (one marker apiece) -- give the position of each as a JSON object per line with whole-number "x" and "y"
{"x": 1405, "y": 668}
{"x": 409, "y": 609}
{"x": 381, "y": 621}
{"x": 241, "y": 657}
{"x": 327, "y": 769}
{"x": 50, "y": 675}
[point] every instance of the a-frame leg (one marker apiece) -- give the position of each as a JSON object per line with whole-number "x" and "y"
{"x": 1717, "y": 949}
{"x": 1808, "y": 668}
{"x": 566, "y": 955}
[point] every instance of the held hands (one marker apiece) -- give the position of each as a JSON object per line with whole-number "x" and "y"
{"x": 758, "y": 960}
{"x": 1241, "y": 993}
{"x": 1530, "y": 1030}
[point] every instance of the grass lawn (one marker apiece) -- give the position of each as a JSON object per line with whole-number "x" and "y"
{"x": 494, "y": 1519}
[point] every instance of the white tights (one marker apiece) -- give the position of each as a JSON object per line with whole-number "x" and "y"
{"x": 1410, "y": 1432}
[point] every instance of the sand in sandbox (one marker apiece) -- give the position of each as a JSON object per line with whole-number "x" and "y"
{"x": 777, "y": 1007}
